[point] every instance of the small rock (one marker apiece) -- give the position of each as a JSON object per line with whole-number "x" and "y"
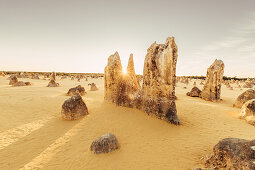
{"x": 195, "y": 92}
{"x": 93, "y": 87}
{"x": 74, "y": 108}
{"x": 104, "y": 144}
{"x": 76, "y": 90}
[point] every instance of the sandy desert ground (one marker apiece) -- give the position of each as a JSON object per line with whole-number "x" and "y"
{"x": 33, "y": 135}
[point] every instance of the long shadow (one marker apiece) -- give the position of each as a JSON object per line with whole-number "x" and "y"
{"x": 24, "y": 150}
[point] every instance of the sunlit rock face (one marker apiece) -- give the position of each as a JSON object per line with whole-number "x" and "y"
{"x": 159, "y": 78}
{"x": 119, "y": 87}
{"x": 131, "y": 71}
{"x": 112, "y": 75}
{"x": 157, "y": 95}
{"x": 214, "y": 78}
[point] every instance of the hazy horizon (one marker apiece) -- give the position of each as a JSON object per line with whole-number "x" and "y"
{"x": 79, "y": 36}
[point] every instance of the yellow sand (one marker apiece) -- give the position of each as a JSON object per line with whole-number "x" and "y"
{"x": 32, "y": 134}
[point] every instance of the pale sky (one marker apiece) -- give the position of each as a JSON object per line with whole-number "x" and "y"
{"x": 80, "y": 35}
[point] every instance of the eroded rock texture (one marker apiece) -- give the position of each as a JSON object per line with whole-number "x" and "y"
{"x": 74, "y": 108}
{"x": 248, "y": 112}
{"x": 157, "y": 95}
{"x": 159, "y": 79}
{"x": 244, "y": 97}
{"x": 112, "y": 75}
{"x": 76, "y": 90}
{"x": 104, "y": 144}
{"x": 214, "y": 78}
{"x": 232, "y": 153}
{"x": 131, "y": 72}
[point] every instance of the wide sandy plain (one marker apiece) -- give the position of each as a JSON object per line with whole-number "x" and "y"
{"x": 33, "y": 135}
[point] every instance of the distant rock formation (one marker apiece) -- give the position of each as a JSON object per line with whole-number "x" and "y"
{"x": 195, "y": 92}
{"x": 232, "y": 153}
{"x": 13, "y": 80}
{"x": 53, "y": 76}
{"x": 52, "y": 83}
{"x": 248, "y": 112}
{"x": 35, "y": 76}
{"x": 93, "y": 87}
{"x": 214, "y": 78}
{"x": 21, "y": 83}
{"x": 248, "y": 84}
{"x": 104, "y": 144}
{"x": 74, "y": 108}
{"x": 244, "y": 97}
{"x": 157, "y": 95}
{"x": 76, "y": 90}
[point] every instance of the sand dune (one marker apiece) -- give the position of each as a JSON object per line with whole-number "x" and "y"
{"x": 33, "y": 136}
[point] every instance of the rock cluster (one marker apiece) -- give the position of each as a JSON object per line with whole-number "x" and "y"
{"x": 104, "y": 144}
{"x": 244, "y": 97}
{"x": 157, "y": 95}
{"x": 14, "y": 82}
{"x": 248, "y": 112}
{"x": 21, "y": 83}
{"x": 74, "y": 108}
{"x": 214, "y": 78}
{"x": 232, "y": 153}
{"x": 35, "y": 76}
{"x": 76, "y": 90}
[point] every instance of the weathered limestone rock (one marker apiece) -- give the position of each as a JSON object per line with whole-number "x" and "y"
{"x": 76, "y": 90}
{"x": 195, "y": 92}
{"x": 248, "y": 112}
{"x": 112, "y": 75}
{"x": 232, "y": 153}
{"x": 52, "y": 83}
{"x": 244, "y": 97}
{"x": 131, "y": 72}
{"x": 159, "y": 79}
{"x": 74, "y": 108}
{"x": 157, "y": 95}
{"x": 93, "y": 87}
{"x": 214, "y": 78}
{"x": 104, "y": 144}
{"x": 13, "y": 80}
